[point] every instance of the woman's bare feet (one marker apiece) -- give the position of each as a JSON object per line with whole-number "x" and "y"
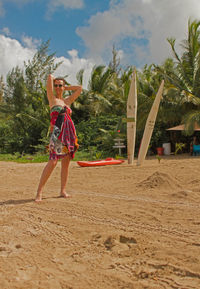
{"x": 65, "y": 195}
{"x": 38, "y": 197}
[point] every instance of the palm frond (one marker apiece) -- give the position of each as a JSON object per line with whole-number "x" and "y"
{"x": 191, "y": 119}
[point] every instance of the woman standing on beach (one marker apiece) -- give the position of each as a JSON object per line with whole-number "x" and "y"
{"x": 63, "y": 141}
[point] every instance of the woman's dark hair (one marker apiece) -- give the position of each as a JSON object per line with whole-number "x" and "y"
{"x": 60, "y": 78}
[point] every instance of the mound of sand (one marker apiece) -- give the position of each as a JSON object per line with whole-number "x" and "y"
{"x": 159, "y": 180}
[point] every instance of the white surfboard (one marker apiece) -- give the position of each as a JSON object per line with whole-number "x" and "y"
{"x": 150, "y": 123}
{"x": 131, "y": 118}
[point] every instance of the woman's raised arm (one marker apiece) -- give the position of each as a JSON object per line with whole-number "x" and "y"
{"x": 71, "y": 98}
{"x": 50, "y": 93}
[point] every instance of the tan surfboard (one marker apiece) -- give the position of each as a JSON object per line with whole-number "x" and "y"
{"x": 131, "y": 118}
{"x": 150, "y": 123}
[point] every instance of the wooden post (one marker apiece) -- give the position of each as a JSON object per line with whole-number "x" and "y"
{"x": 150, "y": 126}
{"x": 131, "y": 118}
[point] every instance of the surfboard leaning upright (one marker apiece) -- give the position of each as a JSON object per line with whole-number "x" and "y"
{"x": 150, "y": 126}
{"x": 131, "y": 118}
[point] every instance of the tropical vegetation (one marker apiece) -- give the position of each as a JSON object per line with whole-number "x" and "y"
{"x": 100, "y": 111}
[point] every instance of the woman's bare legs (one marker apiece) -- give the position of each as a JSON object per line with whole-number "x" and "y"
{"x": 64, "y": 175}
{"x": 44, "y": 177}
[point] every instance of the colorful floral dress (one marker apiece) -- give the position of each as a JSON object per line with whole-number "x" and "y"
{"x": 63, "y": 140}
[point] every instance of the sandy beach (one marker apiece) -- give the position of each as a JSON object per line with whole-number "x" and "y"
{"x": 124, "y": 227}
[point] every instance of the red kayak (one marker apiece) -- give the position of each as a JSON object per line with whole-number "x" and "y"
{"x": 108, "y": 161}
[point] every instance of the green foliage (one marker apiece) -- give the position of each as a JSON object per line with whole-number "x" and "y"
{"x": 40, "y": 158}
{"x": 99, "y": 133}
{"x": 158, "y": 158}
{"x": 182, "y": 89}
{"x": 24, "y": 158}
{"x": 179, "y": 147}
{"x": 24, "y": 109}
{"x": 99, "y": 110}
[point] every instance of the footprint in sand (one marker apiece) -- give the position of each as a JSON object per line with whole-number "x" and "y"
{"x": 112, "y": 241}
{"x": 127, "y": 240}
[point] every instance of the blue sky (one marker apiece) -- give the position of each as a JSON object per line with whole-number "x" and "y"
{"x": 82, "y": 32}
{"x": 31, "y": 19}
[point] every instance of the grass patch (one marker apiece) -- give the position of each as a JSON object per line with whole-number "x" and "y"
{"x": 81, "y": 156}
{"x": 40, "y": 158}
{"x": 37, "y": 158}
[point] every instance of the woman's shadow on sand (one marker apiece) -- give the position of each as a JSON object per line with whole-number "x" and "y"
{"x": 23, "y": 201}
{"x": 16, "y": 202}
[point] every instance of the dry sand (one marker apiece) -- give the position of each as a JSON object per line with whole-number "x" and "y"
{"x": 125, "y": 227}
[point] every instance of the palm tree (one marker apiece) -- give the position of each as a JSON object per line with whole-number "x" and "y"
{"x": 99, "y": 93}
{"x": 183, "y": 87}
{"x": 119, "y": 90}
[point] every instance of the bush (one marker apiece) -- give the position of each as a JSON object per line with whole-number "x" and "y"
{"x": 97, "y": 134}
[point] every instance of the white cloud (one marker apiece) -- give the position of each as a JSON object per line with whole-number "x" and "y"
{"x": 6, "y": 31}
{"x": 75, "y": 4}
{"x": 66, "y": 4}
{"x": 72, "y": 65}
{"x": 52, "y": 5}
{"x": 30, "y": 42}
{"x": 12, "y": 53}
{"x": 73, "y": 53}
{"x": 139, "y": 28}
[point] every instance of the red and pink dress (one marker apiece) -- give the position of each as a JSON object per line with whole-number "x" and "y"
{"x": 63, "y": 140}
